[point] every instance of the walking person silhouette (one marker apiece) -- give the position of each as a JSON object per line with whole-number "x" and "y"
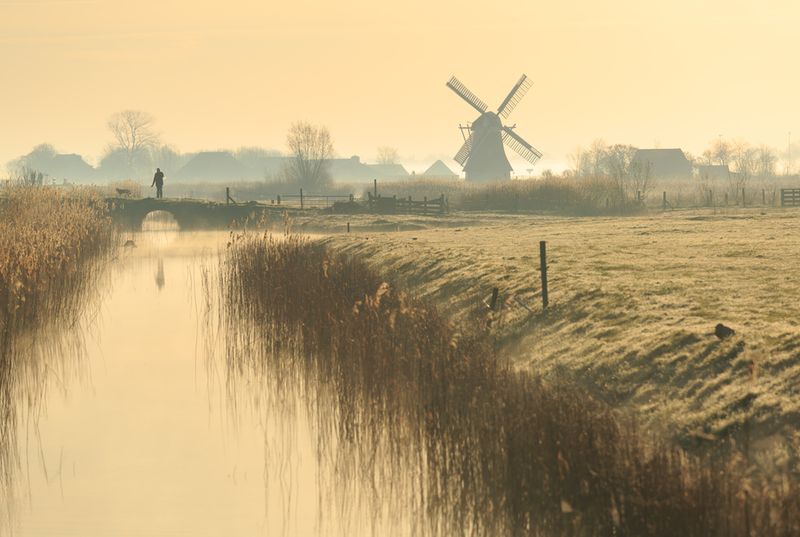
{"x": 158, "y": 181}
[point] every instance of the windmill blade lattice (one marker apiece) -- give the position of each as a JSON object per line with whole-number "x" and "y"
{"x": 514, "y": 97}
{"x": 520, "y": 146}
{"x": 463, "y": 153}
{"x": 461, "y": 90}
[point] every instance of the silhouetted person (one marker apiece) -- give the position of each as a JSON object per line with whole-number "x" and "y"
{"x": 158, "y": 181}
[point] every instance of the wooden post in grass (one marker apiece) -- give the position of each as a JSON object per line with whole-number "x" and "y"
{"x": 348, "y": 227}
{"x": 743, "y": 204}
{"x": 301, "y": 198}
{"x": 493, "y": 302}
{"x": 543, "y": 270}
{"x": 227, "y": 195}
{"x": 279, "y": 200}
{"x": 664, "y": 201}
{"x": 375, "y": 187}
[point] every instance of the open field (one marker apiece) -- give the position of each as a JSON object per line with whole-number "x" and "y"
{"x": 634, "y": 302}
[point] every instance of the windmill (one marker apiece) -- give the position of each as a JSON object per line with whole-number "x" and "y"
{"x": 482, "y": 156}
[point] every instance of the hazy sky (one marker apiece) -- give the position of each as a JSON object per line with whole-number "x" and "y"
{"x": 226, "y": 74}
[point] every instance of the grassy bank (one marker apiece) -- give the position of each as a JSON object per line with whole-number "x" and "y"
{"x": 634, "y": 305}
{"x": 484, "y": 449}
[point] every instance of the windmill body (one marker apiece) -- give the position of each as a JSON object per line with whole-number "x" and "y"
{"x": 482, "y": 155}
{"x": 487, "y": 160}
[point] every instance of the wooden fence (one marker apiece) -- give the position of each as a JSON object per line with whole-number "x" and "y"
{"x": 790, "y": 197}
{"x": 310, "y": 201}
{"x": 395, "y": 205}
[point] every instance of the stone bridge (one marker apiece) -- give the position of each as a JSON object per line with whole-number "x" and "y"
{"x": 189, "y": 214}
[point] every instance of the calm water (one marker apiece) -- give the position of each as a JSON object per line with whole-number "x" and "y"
{"x": 143, "y": 435}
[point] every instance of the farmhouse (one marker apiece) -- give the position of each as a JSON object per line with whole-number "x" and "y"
{"x": 663, "y": 163}
{"x": 713, "y": 172}
{"x": 213, "y": 166}
{"x": 439, "y": 170}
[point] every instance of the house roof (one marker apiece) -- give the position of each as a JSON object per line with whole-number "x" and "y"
{"x": 213, "y": 166}
{"x": 664, "y": 162}
{"x": 388, "y": 171}
{"x": 68, "y": 166}
{"x": 439, "y": 169}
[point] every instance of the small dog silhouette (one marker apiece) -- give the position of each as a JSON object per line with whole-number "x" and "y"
{"x": 123, "y": 192}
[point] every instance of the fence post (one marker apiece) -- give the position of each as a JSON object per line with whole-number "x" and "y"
{"x": 227, "y": 195}
{"x": 348, "y": 227}
{"x": 493, "y": 303}
{"x": 425, "y": 205}
{"x": 279, "y": 200}
{"x": 638, "y": 196}
{"x": 375, "y": 187}
{"x": 664, "y": 201}
{"x": 726, "y": 199}
{"x": 301, "y": 198}
{"x": 743, "y": 203}
{"x": 543, "y": 270}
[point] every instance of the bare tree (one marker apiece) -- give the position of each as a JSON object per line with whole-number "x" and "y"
{"x": 387, "y": 155}
{"x": 134, "y": 134}
{"x": 745, "y": 160}
{"x": 767, "y": 162}
{"x": 720, "y": 153}
{"x": 311, "y": 149}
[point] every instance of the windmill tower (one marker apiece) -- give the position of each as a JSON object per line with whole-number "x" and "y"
{"x": 482, "y": 155}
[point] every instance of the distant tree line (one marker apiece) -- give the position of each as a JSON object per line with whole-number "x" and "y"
{"x": 136, "y": 148}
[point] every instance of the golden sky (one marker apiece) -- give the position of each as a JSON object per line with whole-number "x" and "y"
{"x": 227, "y": 74}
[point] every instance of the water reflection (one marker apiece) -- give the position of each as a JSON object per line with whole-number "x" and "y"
{"x": 38, "y": 365}
{"x": 160, "y": 274}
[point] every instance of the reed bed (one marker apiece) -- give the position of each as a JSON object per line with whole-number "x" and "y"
{"x": 432, "y": 413}
{"x": 52, "y": 243}
{"x": 580, "y": 196}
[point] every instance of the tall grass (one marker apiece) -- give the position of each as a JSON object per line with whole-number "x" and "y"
{"x": 51, "y": 241}
{"x": 582, "y": 196}
{"x": 432, "y": 413}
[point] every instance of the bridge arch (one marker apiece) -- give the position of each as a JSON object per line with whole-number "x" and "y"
{"x": 160, "y": 220}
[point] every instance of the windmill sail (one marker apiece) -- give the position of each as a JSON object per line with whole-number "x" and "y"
{"x": 462, "y": 91}
{"x": 514, "y": 97}
{"x": 463, "y": 153}
{"x": 520, "y": 146}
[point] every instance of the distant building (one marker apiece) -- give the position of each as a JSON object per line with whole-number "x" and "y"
{"x": 223, "y": 166}
{"x": 713, "y": 171}
{"x": 352, "y": 170}
{"x": 663, "y": 163}
{"x": 69, "y": 167}
{"x": 212, "y": 166}
{"x": 439, "y": 170}
{"x": 388, "y": 171}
